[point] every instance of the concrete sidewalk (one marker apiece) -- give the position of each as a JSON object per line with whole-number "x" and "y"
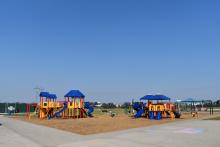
{"x": 191, "y": 133}
{"x": 38, "y": 135}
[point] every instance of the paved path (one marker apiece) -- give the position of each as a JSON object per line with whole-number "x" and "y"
{"x": 193, "y": 133}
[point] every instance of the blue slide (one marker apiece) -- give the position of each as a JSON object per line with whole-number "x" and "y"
{"x": 57, "y": 113}
{"x": 139, "y": 108}
{"x": 139, "y": 113}
{"x": 90, "y": 109}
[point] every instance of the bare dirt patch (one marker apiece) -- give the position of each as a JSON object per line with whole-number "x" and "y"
{"x": 105, "y": 123}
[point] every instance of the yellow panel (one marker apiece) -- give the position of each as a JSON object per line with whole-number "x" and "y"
{"x": 52, "y": 104}
{"x": 70, "y": 105}
{"x": 158, "y": 107}
{"x": 45, "y": 105}
{"x": 151, "y": 107}
{"x": 77, "y": 102}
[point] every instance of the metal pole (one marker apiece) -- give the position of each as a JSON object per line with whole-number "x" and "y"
{"x": 5, "y": 108}
{"x": 15, "y": 108}
{"x": 212, "y": 109}
{"x": 37, "y": 90}
{"x": 191, "y": 107}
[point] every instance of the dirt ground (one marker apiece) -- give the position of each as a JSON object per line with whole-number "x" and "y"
{"x": 105, "y": 123}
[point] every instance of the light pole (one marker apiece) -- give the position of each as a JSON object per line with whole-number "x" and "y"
{"x": 37, "y": 91}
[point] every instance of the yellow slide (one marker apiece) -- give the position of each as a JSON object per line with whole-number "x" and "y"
{"x": 172, "y": 115}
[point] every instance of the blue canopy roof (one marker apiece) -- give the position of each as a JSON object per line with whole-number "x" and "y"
{"x": 44, "y": 94}
{"x": 148, "y": 97}
{"x": 155, "y": 97}
{"x": 191, "y": 100}
{"x": 48, "y": 95}
{"x": 162, "y": 97}
{"x": 75, "y": 93}
{"x": 52, "y": 96}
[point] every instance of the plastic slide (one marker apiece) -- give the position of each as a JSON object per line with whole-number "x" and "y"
{"x": 139, "y": 113}
{"x": 57, "y": 113}
{"x": 172, "y": 115}
{"x": 138, "y": 107}
{"x": 90, "y": 109}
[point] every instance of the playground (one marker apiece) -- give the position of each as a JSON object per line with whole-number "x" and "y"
{"x": 75, "y": 115}
{"x": 74, "y": 122}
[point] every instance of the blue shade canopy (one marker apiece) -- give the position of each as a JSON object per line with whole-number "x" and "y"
{"x": 162, "y": 97}
{"x": 75, "y": 93}
{"x": 52, "y": 96}
{"x": 44, "y": 94}
{"x": 148, "y": 97}
{"x": 155, "y": 97}
{"x": 48, "y": 95}
{"x": 191, "y": 100}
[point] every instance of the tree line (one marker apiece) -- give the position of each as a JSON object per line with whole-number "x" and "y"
{"x": 111, "y": 105}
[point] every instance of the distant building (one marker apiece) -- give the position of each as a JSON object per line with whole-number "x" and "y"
{"x": 98, "y": 104}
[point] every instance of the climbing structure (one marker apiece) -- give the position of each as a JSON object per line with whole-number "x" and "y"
{"x": 48, "y": 105}
{"x": 75, "y": 103}
{"x": 156, "y": 110}
{"x": 71, "y": 107}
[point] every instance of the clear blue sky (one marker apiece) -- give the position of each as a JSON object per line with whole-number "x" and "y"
{"x": 112, "y": 50}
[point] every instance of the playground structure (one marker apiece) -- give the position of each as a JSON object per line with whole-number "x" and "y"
{"x": 73, "y": 106}
{"x": 192, "y": 105}
{"x": 195, "y": 105}
{"x": 156, "y": 110}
